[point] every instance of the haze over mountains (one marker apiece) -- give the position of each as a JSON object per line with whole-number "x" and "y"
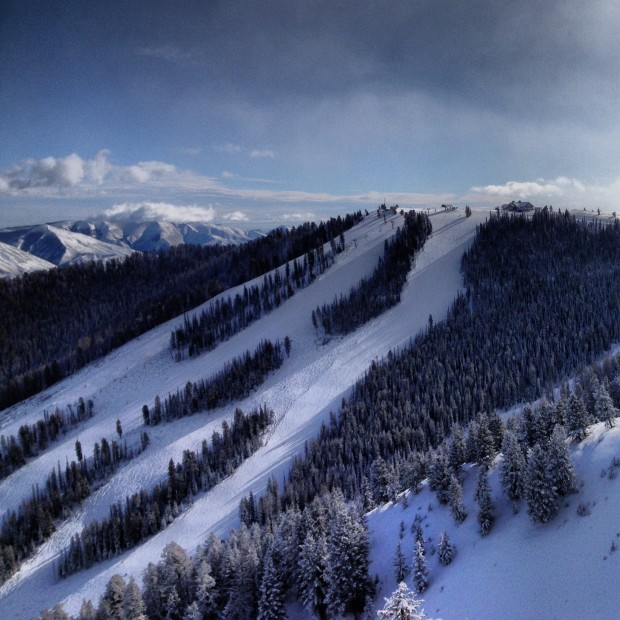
{"x": 43, "y": 246}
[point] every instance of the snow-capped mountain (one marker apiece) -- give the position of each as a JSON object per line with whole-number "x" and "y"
{"x": 70, "y": 242}
{"x": 59, "y": 246}
{"x": 14, "y": 262}
{"x": 146, "y": 236}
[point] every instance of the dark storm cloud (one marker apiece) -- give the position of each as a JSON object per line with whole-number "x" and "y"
{"x": 532, "y": 57}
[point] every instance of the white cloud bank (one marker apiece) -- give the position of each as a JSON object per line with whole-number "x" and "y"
{"x": 569, "y": 192}
{"x": 158, "y": 211}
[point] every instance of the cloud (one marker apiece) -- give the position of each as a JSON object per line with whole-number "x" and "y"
{"x": 151, "y": 211}
{"x": 262, "y": 154}
{"x": 540, "y": 187}
{"x": 562, "y": 191}
{"x": 298, "y": 216}
{"x": 237, "y": 149}
{"x": 46, "y": 172}
{"x": 236, "y": 216}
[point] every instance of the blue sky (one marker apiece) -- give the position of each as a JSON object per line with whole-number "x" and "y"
{"x": 280, "y": 111}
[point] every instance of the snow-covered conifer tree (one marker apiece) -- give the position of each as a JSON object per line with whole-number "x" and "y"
{"x": 420, "y": 568}
{"x": 542, "y": 499}
{"x": 560, "y": 466}
{"x": 402, "y": 605}
{"x": 483, "y": 497}
{"x": 312, "y": 566}
{"x": 400, "y": 564}
{"x": 271, "y": 602}
{"x": 577, "y": 418}
{"x": 133, "y": 605}
{"x": 457, "y": 508}
{"x": 446, "y": 549}
{"x": 513, "y": 467}
{"x": 604, "y": 407}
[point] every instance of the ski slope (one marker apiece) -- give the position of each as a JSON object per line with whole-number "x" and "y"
{"x": 311, "y": 383}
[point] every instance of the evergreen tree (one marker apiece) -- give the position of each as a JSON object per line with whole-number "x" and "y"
{"x": 420, "y": 568}
{"x": 446, "y": 549}
{"x": 604, "y": 408}
{"x": 439, "y": 476}
{"x": 513, "y": 467}
{"x": 402, "y": 605}
{"x": 271, "y": 602}
{"x": 111, "y": 603}
{"x": 457, "y": 508}
{"x": 400, "y": 564}
{"x": 542, "y": 499}
{"x": 347, "y": 576}
{"x": 312, "y": 570}
{"x": 87, "y": 611}
{"x": 133, "y": 605}
{"x": 456, "y": 450}
{"x": 485, "y": 503}
{"x": 561, "y": 469}
{"x": 577, "y": 418}
{"x": 381, "y": 481}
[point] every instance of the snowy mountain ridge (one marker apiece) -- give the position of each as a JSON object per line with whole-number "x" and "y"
{"x": 71, "y": 242}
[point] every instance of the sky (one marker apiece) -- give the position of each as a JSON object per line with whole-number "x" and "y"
{"x": 269, "y": 112}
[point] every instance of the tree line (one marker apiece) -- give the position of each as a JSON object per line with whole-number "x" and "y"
{"x": 381, "y": 290}
{"x": 235, "y": 381}
{"x": 54, "y": 322}
{"x": 318, "y": 555}
{"x": 224, "y": 318}
{"x": 32, "y": 523}
{"x": 147, "y": 512}
{"x": 32, "y": 439}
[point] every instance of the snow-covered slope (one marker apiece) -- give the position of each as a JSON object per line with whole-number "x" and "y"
{"x": 301, "y": 393}
{"x": 520, "y": 570}
{"x": 14, "y": 262}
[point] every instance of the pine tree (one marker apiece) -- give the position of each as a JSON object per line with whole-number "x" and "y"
{"x": 133, "y": 605}
{"x": 485, "y": 503}
{"x": 604, "y": 407}
{"x": 87, "y": 611}
{"x": 542, "y": 500}
{"x": 446, "y": 549}
{"x": 312, "y": 568}
{"x": 400, "y": 564}
{"x": 513, "y": 467}
{"x": 347, "y": 576}
{"x": 381, "y": 481}
{"x": 560, "y": 467}
{"x": 402, "y": 605}
{"x": 577, "y": 418}
{"x": 420, "y": 568}
{"x": 457, "y": 508}
{"x": 111, "y": 603}
{"x": 271, "y": 602}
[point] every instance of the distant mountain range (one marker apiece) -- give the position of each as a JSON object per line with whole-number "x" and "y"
{"x": 43, "y": 246}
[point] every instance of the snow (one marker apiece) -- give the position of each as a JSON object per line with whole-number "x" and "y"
{"x": 302, "y": 393}
{"x": 563, "y": 569}
{"x": 14, "y": 262}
